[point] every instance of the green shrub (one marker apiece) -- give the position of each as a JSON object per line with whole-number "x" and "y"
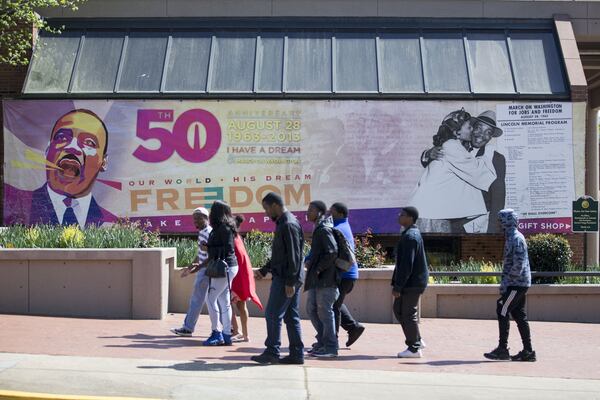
{"x": 123, "y": 234}
{"x": 470, "y": 265}
{"x": 368, "y": 255}
{"x": 258, "y": 246}
{"x": 40, "y": 236}
{"x": 579, "y": 280}
{"x": 187, "y": 250}
{"x": 548, "y": 252}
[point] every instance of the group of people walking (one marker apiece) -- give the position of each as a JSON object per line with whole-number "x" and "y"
{"x": 218, "y": 238}
{"x": 326, "y": 285}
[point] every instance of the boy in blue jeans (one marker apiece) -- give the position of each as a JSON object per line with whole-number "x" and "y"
{"x": 322, "y": 280}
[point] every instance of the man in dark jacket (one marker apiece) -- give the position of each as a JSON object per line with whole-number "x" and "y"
{"x": 343, "y": 317}
{"x": 409, "y": 281}
{"x": 288, "y": 274}
{"x": 322, "y": 280}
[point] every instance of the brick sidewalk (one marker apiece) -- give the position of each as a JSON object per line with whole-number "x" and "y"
{"x": 565, "y": 350}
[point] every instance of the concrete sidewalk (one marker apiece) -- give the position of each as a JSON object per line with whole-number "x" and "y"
{"x": 142, "y": 359}
{"x": 199, "y": 379}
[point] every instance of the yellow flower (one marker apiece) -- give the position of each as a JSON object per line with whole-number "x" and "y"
{"x": 431, "y": 280}
{"x": 32, "y": 235}
{"x": 10, "y": 246}
{"x": 71, "y": 236}
{"x": 488, "y": 267}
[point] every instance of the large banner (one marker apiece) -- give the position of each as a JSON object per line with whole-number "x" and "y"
{"x": 91, "y": 162}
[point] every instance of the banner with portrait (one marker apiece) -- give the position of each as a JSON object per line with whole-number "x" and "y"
{"x": 94, "y": 161}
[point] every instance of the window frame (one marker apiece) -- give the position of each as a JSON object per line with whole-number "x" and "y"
{"x": 163, "y": 82}
{"x": 285, "y": 28}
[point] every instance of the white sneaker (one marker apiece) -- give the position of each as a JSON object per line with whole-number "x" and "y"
{"x": 409, "y": 354}
{"x": 423, "y": 344}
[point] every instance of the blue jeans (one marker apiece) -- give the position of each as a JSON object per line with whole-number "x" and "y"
{"x": 280, "y": 307}
{"x": 319, "y": 307}
{"x": 197, "y": 300}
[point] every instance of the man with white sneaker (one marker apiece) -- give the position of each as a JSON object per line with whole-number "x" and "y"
{"x": 409, "y": 281}
{"x": 200, "y": 291}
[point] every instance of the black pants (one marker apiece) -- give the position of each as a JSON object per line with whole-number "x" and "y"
{"x": 512, "y": 303}
{"x": 342, "y": 315}
{"x": 406, "y": 310}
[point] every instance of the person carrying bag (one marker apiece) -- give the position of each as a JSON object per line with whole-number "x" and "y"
{"x": 221, "y": 269}
{"x": 216, "y": 268}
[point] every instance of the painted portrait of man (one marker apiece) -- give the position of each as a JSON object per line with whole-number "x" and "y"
{"x": 76, "y": 154}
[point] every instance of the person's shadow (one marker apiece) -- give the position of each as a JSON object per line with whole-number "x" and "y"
{"x": 353, "y": 357}
{"x": 143, "y": 341}
{"x": 202, "y": 365}
{"x": 445, "y": 363}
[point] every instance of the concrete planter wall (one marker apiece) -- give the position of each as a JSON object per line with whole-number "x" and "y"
{"x": 371, "y": 299}
{"x": 104, "y": 283}
{"x": 142, "y": 283}
{"x": 564, "y": 303}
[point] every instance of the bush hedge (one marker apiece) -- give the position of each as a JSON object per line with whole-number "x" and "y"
{"x": 368, "y": 255}
{"x": 123, "y": 234}
{"x": 548, "y": 252}
{"x": 470, "y": 265}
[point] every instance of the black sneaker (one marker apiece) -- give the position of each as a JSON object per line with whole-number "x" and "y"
{"x": 498, "y": 353}
{"x": 524, "y": 355}
{"x": 315, "y": 346}
{"x": 182, "y": 332}
{"x": 290, "y": 360}
{"x": 354, "y": 334}
{"x": 324, "y": 353}
{"x": 265, "y": 359}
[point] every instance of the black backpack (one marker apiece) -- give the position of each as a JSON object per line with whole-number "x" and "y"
{"x": 345, "y": 257}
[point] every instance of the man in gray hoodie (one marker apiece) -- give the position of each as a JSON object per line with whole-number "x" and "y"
{"x": 516, "y": 280}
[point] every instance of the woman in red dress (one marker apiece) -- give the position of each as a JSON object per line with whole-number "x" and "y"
{"x": 243, "y": 287}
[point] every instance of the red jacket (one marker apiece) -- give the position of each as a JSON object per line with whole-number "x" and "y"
{"x": 243, "y": 284}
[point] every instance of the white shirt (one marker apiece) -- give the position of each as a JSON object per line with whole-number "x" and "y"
{"x": 80, "y": 205}
{"x": 451, "y": 187}
{"x": 203, "y": 238}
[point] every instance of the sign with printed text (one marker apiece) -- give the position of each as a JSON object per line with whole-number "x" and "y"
{"x": 585, "y": 215}
{"x": 155, "y": 161}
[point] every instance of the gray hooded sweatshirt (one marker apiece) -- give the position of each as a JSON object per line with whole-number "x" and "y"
{"x": 515, "y": 270}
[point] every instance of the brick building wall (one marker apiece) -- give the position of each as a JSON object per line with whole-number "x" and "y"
{"x": 483, "y": 247}
{"x": 577, "y": 242}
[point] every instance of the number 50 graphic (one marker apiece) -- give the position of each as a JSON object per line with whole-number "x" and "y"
{"x": 177, "y": 140}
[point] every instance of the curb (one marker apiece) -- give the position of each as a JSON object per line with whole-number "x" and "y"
{"x": 15, "y": 395}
